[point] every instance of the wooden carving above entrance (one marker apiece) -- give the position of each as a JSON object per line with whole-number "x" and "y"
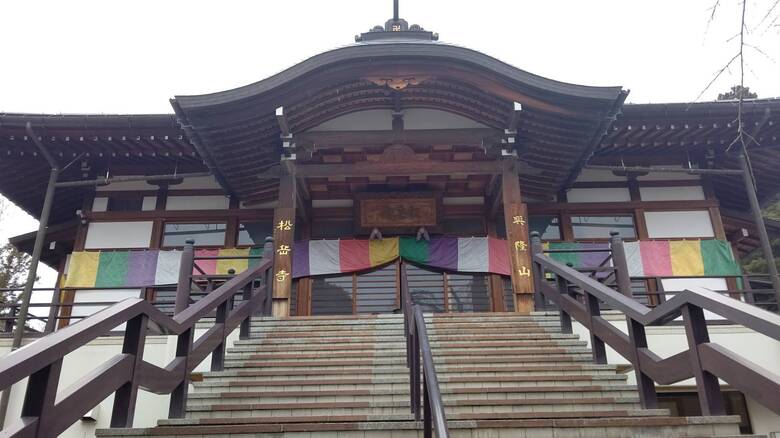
{"x": 397, "y": 210}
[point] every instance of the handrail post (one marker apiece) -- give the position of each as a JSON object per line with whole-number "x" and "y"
{"x": 563, "y": 290}
{"x": 268, "y": 251}
{"x": 596, "y": 344}
{"x": 126, "y": 396}
{"x": 218, "y": 355}
{"x": 538, "y": 271}
{"x": 246, "y": 324}
{"x": 178, "y": 403}
{"x": 646, "y": 386}
{"x": 184, "y": 287}
{"x": 54, "y": 310}
{"x": 707, "y": 385}
{"x": 622, "y": 275}
{"x": 40, "y": 395}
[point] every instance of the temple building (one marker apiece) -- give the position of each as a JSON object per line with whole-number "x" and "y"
{"x": 399, "y": 165}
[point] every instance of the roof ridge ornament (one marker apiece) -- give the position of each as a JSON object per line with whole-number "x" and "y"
{"x": 395, "y": 28}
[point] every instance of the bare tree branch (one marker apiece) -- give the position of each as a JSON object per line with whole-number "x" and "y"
{"x": 715, "y": 78}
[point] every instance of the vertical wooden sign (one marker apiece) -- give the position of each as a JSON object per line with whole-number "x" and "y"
{"x": 284, "y": 229}
{"x": 284, "y": 233}
{"x": 516, "y": 221}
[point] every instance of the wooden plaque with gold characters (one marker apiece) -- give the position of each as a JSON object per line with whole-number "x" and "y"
{"x": 398, "y": 212}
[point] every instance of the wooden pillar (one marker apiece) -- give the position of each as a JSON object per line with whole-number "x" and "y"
{"x": 284, "y": 231}
{"x": 516, "y": 220}
{"x": 494, "y": 281}
{"x": 305, "y": 283}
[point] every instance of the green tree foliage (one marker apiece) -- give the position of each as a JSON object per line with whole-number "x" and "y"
{"x": 14, "y": 265}
{"x": 755, "y": 263}
{"x": 736, "y": 92}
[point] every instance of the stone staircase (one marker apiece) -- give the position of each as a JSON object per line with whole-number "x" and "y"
{"x": 501, "y": 375}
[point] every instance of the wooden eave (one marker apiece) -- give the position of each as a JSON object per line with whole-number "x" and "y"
{"x": 119, "y": 144}
{"x": 237, "y": 134}
{"x": 684, "y": 130}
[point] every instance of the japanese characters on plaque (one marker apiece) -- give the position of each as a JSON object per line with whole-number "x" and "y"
{"x": 283, "y": 251}
{"x": 521, "y": 246}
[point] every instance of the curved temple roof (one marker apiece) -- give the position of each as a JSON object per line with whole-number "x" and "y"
{"x": 236, "y": 131}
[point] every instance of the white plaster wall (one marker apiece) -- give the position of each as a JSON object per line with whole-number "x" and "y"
{"x": 100, "y": 204}
{"x": 158, "y": 350}
{"x": 100, "y": 296}
{"x": 593, "y": 175}
{"x": 108, "y": 235}
{"x": 149, "y": 203}
{"x": 212, "y": 202}
{"x": 683, "y": 224}
{"x": 763, "y": 420}
{"x": 686, "y": 193}
{"x": 680, "y": 284}
{"x": 604, "y": 194}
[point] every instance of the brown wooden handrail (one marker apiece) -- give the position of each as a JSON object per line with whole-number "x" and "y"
{"x": 703, "y": 360}
{"x": 418, "y": 352}
{"x": 125, "y": 373}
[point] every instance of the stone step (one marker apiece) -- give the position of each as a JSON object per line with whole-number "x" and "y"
{"x": 286, "y": 395}
{"x": 393, "y": 352}
{"x": 242, "y": 347}
{"x": 399, "y": 382}
{"x": 262, "y": 340}
{"x": 277, "y": 416}
{"x": 400, "y": 371}
{"x": 629, "y": 426}
{"x": 398, "y": 360}
{"x": 396, "y": 329}
{"x": 398, "y": 318}
{"x": 548, "y": 404}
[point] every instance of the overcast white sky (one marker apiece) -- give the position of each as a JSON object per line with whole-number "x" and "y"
{"x": 132, "y": 56}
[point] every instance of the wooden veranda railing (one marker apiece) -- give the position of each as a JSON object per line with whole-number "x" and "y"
{"x": 580, "y": 296}
{"x": 45, "y": 413}
{"x": 418, "y": 353}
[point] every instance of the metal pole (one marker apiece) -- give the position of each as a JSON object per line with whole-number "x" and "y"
{"x": 755, "y": 208}
{"x": 40, "y": 237}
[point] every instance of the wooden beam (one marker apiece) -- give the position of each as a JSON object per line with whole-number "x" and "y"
{"x": 640, "y": 169}
{"x": 329, "y": 139}
{"x": 409, "y": 168}
{"x": 281, "y": 119}
{"x": 514, "y": 120}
